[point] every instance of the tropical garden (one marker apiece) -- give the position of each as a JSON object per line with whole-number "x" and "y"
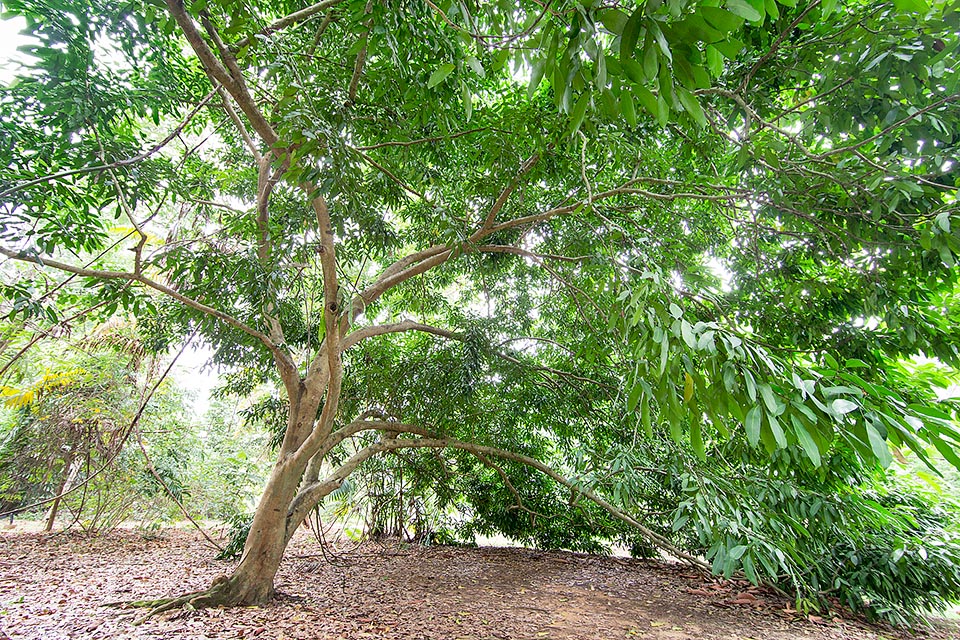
{"x": 672, "y": 278}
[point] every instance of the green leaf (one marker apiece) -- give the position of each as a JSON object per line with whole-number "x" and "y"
{"x": 737, "y": 552}
{"x": 467, "y": 98}
{"x": 634, "y": 396}
{"x": 749, "y": 569}
{"x": 648, "y": 101}
{"x": 948, "y": 452}
{"x": 440, "y": 74}
{"x": 474, "y": 64}
{"x": 645, "y": 418}
{"x": 614, "y": 20}
{"x": 721, "y": 19}
{"x": 664, "y": 352}
{"x": 686, "y": 331}
{"x": 730, "y": 48}
{"x": 778, "y": 435}
{"x": 806, "y": 441}
{"x": 751, "y": 385}
{"x": 661, "y": 39}
{"x": 634, "y": 71}
{"x": 680, "y": 521}
{"x": 912, "y": 6}
{"x": 752, "y": 424}
{"x": 676, "y": 430}
{"x": 651, "y": 62}
{"x": 714, "y": 61}
{"x": 692, "y": 107}
{"x": 631, "y": 34}
{"x": 744, "y": 9}
{"x": 879, "y": 446}
{"x": 663, "y": 111}
{"x": 579, "y": 113}
{"x": 628, "y": 109}
{"x": 771, "y": 9}
{"x": 841, "y": 406}
{"x": 769, "y": 399}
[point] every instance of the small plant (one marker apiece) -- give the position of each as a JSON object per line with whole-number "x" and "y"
{"x": 239, "y": 528}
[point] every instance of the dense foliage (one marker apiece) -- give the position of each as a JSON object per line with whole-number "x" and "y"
{"x": 656, "y": 272}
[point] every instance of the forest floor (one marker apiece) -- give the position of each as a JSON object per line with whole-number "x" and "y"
{"x": 56, "y": 586}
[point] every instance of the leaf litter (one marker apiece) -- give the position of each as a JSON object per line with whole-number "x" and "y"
{"x": 59, "y": 586}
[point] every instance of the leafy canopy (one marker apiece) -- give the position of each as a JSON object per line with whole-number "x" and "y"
{"x": 731, "y": 222}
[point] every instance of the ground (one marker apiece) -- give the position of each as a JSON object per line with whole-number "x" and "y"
{"x": 62, "y": 586}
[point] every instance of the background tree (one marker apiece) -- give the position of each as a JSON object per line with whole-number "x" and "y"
{"x": 528, "y": 232}
{"x": 74, "y": 414}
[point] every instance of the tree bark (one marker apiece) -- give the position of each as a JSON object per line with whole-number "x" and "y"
{"x": 274, "y": 522}
{"x": 253, "y": 580}
{"x": 67, "y": 478}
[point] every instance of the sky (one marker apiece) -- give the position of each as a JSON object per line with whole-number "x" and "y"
{"x": 10, "y": 39}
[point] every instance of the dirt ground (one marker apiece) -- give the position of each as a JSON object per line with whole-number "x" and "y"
{"x": 56, "y": 586}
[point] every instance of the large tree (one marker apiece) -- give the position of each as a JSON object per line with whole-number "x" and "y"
{"x": 524, "y": 231}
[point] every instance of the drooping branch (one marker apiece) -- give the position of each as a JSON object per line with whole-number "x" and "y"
{"x": 525, "y": 168}
{"x": 177, "y": 130}
{"x": 509, "y": 485}
{"x": 295, "y": 17}
{"x": 410, "y": 143}
{"x": 312, "y": 495}
{"x": 152, "y": 284}
{"x": 390, "y": 174}
{"x": 557, "y": 372}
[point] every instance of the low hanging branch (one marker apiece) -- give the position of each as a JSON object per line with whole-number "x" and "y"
{"x": 311, "y": 495}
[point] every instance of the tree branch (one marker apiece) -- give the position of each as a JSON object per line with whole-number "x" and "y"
{"x": 410, "y": 143}
{"x": 152, "y": 284}
{"x": 297, "y": 16}
{"x": 776, "y": 44}
{"x": 119, "y": 163}
{"x": 361, "y": 57}
{"x": 332, "y": 374}
{"x": 405, "y": 325}
{"x": 311, "y": 496}
{"x": 235, "y": 86}
{"x": 400, "y": 183}
{"x": 525, "y": 168}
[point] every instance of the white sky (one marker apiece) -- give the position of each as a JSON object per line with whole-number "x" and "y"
{"x": 192, "y": 374}
{"x": 10, "y": 39}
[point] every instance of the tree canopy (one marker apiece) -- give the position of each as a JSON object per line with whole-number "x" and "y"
{"x": 595, "y": 261}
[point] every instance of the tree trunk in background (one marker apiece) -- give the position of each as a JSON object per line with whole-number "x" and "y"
{"x": 68, "y": 474}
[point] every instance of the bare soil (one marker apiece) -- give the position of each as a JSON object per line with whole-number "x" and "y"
{"x": 61, "y": 585}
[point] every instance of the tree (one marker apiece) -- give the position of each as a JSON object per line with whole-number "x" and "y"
{"x": 74, "y": 412}
{"x": 448, "y": 226}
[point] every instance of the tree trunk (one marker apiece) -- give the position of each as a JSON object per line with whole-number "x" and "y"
{"x": 68, "y": 475}
{"x": 252, "y": 581}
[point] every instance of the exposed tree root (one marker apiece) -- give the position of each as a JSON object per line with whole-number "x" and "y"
{"x": 224, "y": 592}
